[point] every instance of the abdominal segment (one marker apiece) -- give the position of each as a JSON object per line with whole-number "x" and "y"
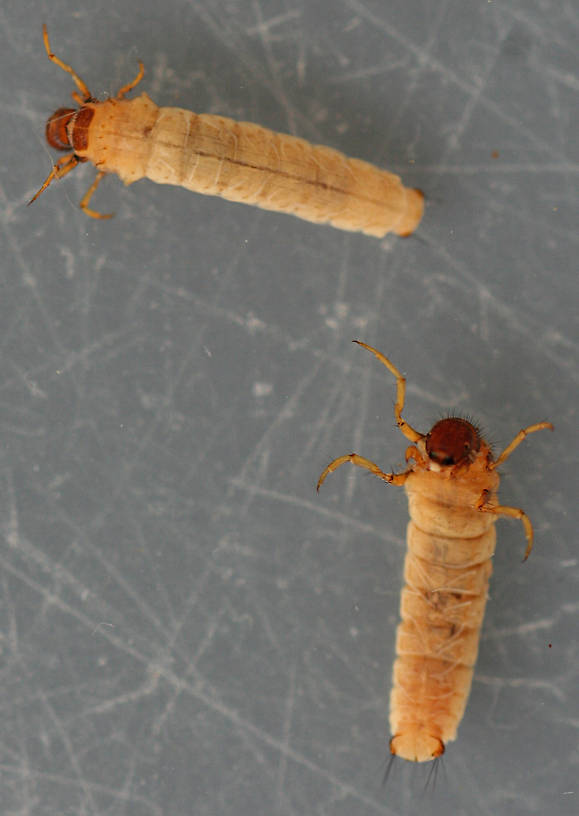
{"x": 247, "y": 163}
{"x": 442, "y": 608}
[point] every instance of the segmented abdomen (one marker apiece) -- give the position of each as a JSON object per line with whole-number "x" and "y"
{"x": 446, "y": 574}
{"x": 244, "y": 162}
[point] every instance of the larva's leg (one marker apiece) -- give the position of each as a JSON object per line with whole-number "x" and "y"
{"x": 511, "y": 512}
{"x": 540, "y": 426}
{"x": 62, "y": 167}
{"x": 412, "y": 452}
{"x": 133, "y": 83}
{"x": 84, "y": 202}
{"x": 86, "y": 94}
{"x": 406, "y": 429}
{"x": 361, "y": 461}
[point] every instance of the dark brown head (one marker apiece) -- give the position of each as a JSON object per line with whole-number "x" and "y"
{"x": 67, "y": 128}
{"x": 56, "y": 129}
{"x": 453, "y": 441}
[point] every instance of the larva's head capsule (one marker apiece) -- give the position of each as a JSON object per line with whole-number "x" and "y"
{"x": 57, "y": 129}
{"x": 453, "y": 441}
{"x": 68, "y": 129}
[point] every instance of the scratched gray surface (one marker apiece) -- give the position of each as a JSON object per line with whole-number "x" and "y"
{"x": 186, "y": 627}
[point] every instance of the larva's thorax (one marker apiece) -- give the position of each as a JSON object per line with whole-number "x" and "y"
{"x": 115, "y": 135}
{"x": 443, "y": 499}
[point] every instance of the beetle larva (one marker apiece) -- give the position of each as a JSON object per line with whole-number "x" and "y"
{"x": 217, "y": 156}
{"x": 452, "y": 487}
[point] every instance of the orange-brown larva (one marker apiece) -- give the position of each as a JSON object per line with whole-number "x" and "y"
{"x": 239, "y": 161}
{"x": 452, "y": 486}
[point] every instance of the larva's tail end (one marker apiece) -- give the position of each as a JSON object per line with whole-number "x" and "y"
{"x": 416, "y": 746}
{"x": 414, "y": 213}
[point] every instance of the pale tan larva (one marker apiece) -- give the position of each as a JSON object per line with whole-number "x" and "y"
{"x": 452, "y": 487}
{"x": 235, "y": 160}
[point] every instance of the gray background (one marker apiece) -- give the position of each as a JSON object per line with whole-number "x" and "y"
{"x": 186, "y": 627}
